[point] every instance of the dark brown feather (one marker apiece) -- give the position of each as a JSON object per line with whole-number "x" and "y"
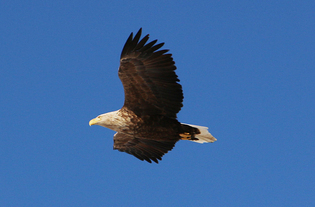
{"x": 143, "y": 149}
{"x": 148, "y": 76}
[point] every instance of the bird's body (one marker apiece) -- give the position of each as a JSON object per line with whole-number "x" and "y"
{"x": 147, "y": 125}
{"x": 126, "y": 122}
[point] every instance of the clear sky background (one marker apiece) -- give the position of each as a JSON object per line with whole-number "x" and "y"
{"x": 247, "y": 69}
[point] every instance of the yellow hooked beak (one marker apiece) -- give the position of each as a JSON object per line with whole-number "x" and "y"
{"x": 94, "y": 121}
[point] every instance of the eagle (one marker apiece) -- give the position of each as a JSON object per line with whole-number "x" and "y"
{"x": 147, "y": 126}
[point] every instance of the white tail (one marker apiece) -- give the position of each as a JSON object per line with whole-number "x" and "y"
{"x": 204, "y": 135}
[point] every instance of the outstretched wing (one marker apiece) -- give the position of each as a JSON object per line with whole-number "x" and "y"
{"x": 148, "y": 76}
{"x": 142, "y": 149}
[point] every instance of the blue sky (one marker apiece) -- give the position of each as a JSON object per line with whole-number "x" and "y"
{"x": 247, "y": 71}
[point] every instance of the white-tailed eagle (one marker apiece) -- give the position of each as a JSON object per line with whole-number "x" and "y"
{"x": 147, "y": 125}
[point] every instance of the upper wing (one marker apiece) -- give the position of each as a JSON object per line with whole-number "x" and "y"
{"x": 148, "y": 76}
{"x": 142, "y": 149}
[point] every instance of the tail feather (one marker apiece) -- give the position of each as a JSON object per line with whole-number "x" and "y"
{"x": 204, "y": 135}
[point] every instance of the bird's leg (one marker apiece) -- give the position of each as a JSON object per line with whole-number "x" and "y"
{"x": 187, "y": 136}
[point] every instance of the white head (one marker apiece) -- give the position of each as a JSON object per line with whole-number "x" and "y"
{"x": 110, "y": 120}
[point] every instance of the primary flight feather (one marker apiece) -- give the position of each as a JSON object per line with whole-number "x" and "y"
{"x": 147, "y": 125}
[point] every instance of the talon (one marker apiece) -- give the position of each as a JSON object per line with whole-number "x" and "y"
{"x": 187, "y": 136}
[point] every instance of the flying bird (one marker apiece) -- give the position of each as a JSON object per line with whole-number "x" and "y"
{"x": 147, "y": 125}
